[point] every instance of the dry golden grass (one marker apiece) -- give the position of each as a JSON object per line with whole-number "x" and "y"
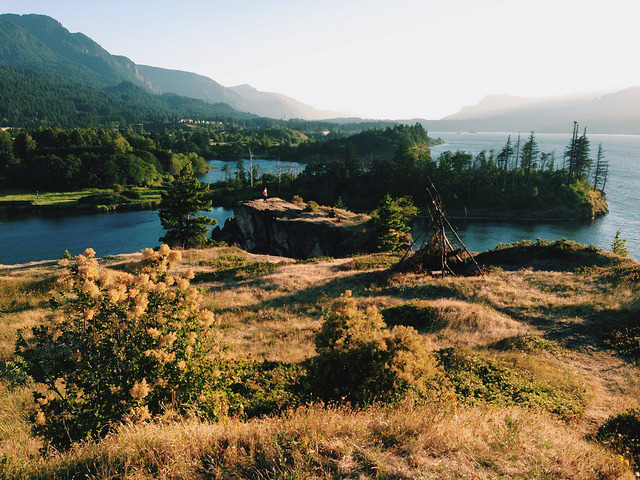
{"x": 474, "y": 325}
{"x": 16, "y": 442}
{"x": 11, "y": 323}
{"x": 320, "y": 443}
{"x": 274, "y": 317}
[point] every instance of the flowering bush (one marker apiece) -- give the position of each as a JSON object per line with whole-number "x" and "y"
{"x": 119, "y": 347}
{"x": 362, "y": 361}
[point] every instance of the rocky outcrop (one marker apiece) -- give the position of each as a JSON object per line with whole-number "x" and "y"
{"x": 281, "y": 228}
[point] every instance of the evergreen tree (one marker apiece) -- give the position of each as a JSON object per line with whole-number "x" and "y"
{"x": 392, "y": 222}
{"x": 181, "y": 203}
{"x": 582, "y": 160}
{"x": 503, "y": 159}
{"x": 601, "y": 170}
{"x": 352, "y": 165}
{"x": 530, "y": 152}
{"x": 241, "y": 177}
{"x": 619, "y": 245}
{"x": 571, "y": 152}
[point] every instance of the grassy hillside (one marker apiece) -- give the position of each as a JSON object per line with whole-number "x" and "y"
{"x": 537, "y": 353}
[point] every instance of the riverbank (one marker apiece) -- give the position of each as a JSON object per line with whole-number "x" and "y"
{"x": 100, "y": 200}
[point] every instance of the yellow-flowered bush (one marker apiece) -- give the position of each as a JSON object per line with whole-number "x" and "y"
{"x": 120, "y": 347}
{"x": 361, "y": 361}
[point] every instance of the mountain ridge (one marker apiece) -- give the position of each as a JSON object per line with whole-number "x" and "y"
{"x": 610, "y": 113}
{"x": 42, "y": 43}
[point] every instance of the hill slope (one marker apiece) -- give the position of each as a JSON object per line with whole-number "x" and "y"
{"x": 528, "y": 336}
{"x": 39, "y": 42}
{"x": 32, "y": 98}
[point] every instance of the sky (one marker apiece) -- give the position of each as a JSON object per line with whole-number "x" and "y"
{"x": 394, "y": 59}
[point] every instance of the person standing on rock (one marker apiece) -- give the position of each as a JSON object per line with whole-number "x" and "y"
{"x": 265, "y": 194}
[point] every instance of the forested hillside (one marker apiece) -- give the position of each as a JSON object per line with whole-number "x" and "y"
{"x": 30, "y": 98}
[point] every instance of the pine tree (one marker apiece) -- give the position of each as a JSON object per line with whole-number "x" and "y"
{"x": 181, "y": 203}
{"x": 503, "y": 159}
{"x": 530, "y": 153}
{"x": 601, "y": 170}
{"x": 392, "y": 222}
{"x": 582, "y": 160}
{"x": 571, "y": 152}
{"x": 352, "y": 164}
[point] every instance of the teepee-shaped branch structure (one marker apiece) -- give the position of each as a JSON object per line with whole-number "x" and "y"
{"x": 442, "y": 249}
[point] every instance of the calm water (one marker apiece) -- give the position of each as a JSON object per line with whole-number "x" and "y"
{"x": 41, "y": 238}
{"x": 38, "y": 238}
{"x": 264, "y": 166}
{"x": 623, "y": 187}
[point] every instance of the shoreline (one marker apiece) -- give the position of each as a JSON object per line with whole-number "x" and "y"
{"x": 17, "y": 207}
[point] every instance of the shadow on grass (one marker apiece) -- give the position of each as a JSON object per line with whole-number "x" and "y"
{"x": 363, "y": 284}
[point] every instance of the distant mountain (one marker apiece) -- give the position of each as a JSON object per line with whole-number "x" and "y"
{"x": 39, "y": 42}
{"x": 244, "y": 98}
{"x": 492, "y": 105}
{"x": 31, "y": 98}
{"x": 275, "y": 105}
{"x": 617, "y": 112}
{"x": 191, "y": 85}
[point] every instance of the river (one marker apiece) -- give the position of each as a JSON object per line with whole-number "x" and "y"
{"x": 36, "y": 237}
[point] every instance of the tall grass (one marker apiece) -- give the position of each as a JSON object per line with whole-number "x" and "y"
{"x": 273, "y": 314}
{"x": 317, "y": 443}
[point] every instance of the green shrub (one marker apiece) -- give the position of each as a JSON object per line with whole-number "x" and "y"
{"x": 622, "y": 433}
{"x": 297, "y": 199}
{"x": 528, "y": 344}
{"x": 234, "y": 263}
{"x": 506, "y": 381}
{"x": 104, "y": 198}
{"x": 119, "y": 347}
{"x": 311, "y": 206}
{"x": 132, "y": 194}
{"x": 361, "y": 361}
{"x": 256, "y": 269}
{"x": 265, "y": 388}
{"x": 373, "y": 261}
{"x": 422, "y": 318}
{"x": 626, "y": 338}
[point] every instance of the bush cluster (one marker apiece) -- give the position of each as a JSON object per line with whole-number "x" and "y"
{"x": 311, "y": 206}
{"x": 622, "y": 433}
{"x": 361, "y": 361}
{"x": 120, "y": 347}
{"x": 481, "y": 378}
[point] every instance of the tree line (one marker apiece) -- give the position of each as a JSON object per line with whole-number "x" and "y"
{"x": 54, "y": 159}
{"x": 517, "y": 177}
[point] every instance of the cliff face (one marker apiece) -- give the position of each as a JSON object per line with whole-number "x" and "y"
{"x": 281, "y": 228}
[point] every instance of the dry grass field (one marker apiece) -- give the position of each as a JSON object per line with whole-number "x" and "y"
{"x": 528, "y": 347}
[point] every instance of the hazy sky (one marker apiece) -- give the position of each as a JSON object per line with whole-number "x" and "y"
{"x": 382, "y": 59}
